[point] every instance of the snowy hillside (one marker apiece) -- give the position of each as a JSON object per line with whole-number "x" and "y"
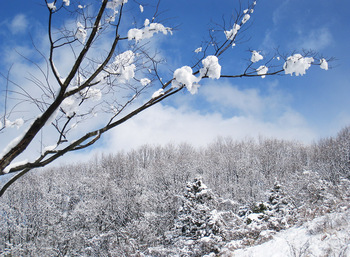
{"x": 249, "y": 198}
{"x": 328, "y": 235}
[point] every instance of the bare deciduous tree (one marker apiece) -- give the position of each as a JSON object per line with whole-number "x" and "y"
{"x": 105, "y": 81}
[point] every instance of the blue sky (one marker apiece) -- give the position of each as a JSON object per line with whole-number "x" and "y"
{"x": 302, "y": 108}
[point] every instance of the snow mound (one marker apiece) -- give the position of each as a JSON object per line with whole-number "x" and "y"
{"x": 324, "y": 236}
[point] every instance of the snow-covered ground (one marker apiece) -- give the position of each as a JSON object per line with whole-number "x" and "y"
{"x": 328, "y": 235}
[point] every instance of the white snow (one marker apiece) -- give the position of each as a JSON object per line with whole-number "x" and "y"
{"x": 114, "y": 4}
{"x": 10, "y": 124}
{"x": 297, "y": 64}
{"x": 158, "y": 93}
{"x": 141, "y": 8}
{"x": 135, "y": 34}
{"x": 262, "y": 70}
{"x": 148, "y": 31}
{"x": 52, "y": 6}
{"x": 92, "y": 93}
{"x": 185, "y": 77}
{"x": 123, "y": 66}
{"x": 145, "y": 81}
{"x": 146, "y": 23}
{"x": 211, "y": 67}
{"x": 324, "y": 236}
{"x": 324, "y": 64}
{"x": 50, "y": 147}
{"x": 69, "y": 106}
{"x": 198, "y": 50}
{"x": 66, "y": 2}
{"x": 81, "y": 33}
{"x": 230, "y": 34}
{"x": 10, "y": 146}
{"x": 15, "y": 164}
{"x": 246, "y": 17}
{"x": 256, "y": 56}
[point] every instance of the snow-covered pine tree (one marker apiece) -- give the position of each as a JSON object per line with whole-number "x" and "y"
{"x": 277, "y": 212}
{"x": 263, "y": 219}
{"x": 280, "y": 208}
{"x": 194, "y": 219}
{"x": 200, "y": 226}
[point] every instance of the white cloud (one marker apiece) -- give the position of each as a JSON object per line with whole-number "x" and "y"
{"x": 18, "y": 24}
{"x": 248, "y": 101}
{"x": 163, "y": 124}
{"x": 316, "y": 39}
{"x": 301, "y": 32}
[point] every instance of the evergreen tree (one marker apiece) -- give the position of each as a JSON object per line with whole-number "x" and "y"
{"x": 200, "y": 226}
{"x": 276, "y": 213}
{"x": 197, "y": 230}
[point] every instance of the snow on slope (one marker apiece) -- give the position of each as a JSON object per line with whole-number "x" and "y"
{"x": 328, "y": 235}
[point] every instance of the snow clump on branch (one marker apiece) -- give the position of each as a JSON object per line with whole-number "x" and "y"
{"x": 148, "y": 31}
{"x": 230, "y": 34}
{"x": 324, "y": 64}
{"x": 145, "y": 81}
{"x": 297, "y": 64}
{"x": 114, "y": 4}
{"x": 94, "y": 94}
{"x": 198, "y": 50}
{"x": 246, "y": 17}
{"x": 184, "y": 75}
{"x": 262, "y": 70}
{"x": 158, "y": 93}
{"x": 81, "y": 33}
{"x": 51, "y": 6}
{"x": 123, "y": 66}
{"x": 17, "y": 123}
{"x": 256, "y": 56}
{"x": 69, "y": 106}
{"x": 211, "y": 67}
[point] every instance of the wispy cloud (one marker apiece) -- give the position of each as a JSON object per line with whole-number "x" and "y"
{"x": 316, "y": 39}
{"x": 19, "y": 24}
{"x": 168, "y": 124}
{"x": 247, "y": 101}
{"x": 164, "y": 124}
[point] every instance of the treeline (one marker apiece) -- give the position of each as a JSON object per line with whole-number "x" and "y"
{"x": 126, "y": 203}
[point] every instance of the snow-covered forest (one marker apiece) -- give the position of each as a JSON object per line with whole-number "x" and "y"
{"x": 178, "y": 200}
